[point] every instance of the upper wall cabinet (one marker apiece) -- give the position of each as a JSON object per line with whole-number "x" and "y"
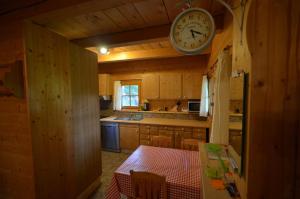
{"x": 104, "y": 84}
{"x": 191, "y": 85}
{"x": 170, "y": 85}
{"x": 150, "y": 86}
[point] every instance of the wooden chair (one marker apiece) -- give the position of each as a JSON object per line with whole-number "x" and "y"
{"x": 190, "y": 144}
{"x": 162, "y": 141}
{"x": 147, "y": 185}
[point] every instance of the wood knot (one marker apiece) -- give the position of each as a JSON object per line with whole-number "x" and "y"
{"x": 259, "y": 83}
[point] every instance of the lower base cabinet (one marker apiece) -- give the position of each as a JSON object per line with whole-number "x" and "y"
{"x": 178, "y": 134}
{"x": 129, "y": 136}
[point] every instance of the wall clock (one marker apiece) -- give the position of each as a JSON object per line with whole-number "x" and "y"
{"x": 192, "y": 31}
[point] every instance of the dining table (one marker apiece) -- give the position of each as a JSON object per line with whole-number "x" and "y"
{"x": 180, "y": 167}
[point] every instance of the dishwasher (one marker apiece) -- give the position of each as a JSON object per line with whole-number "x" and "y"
{"x": 110, "y": 137}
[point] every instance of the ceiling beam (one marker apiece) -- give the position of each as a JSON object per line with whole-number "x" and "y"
{"x": 125, "y": 38}
{"x": 136, "y": 36}
{"x": 142, "y": 55}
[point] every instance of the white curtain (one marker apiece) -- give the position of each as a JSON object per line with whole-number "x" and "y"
{"x": 204, "y": 98}
{"x": 117, "y": 95}
{"x": 220, "y": 121}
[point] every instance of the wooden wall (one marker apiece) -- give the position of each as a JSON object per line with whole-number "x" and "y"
{"x": 16, "y": 167}
{"x": 86, "y": 125}
{"x": 63, "y": 104}
{"x": 273, "y": 36}
{"x": 222, "y": 39}
{"x": 50, "y": 106}
{"x": 232, "y": 37}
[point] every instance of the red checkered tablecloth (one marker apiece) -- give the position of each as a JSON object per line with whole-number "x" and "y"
{"x": 181, "y": 168}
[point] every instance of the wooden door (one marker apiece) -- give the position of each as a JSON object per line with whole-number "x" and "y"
{"x": 170, "y": 85}
{"x": 129, "y": 136}
{"x": 104, "y": 84}
{"x": 150, "y": 86}
{"x": 181, "y": 133}
{"x": 168, "y": 132}
{"x": 191, "y": 85}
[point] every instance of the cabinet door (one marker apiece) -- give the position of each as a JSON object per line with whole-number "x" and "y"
{"x": 170, "y": 86}
{"x": 191, "y": 85}
{"x": 181, "y": 133}
{"x": 129, "y": 136}
{"x": 150, "y": 86}
{"x": 104, "y": 84}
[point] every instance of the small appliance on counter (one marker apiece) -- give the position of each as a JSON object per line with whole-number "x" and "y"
{"x": 194, "y": 105}
{"x": 105, "y": 101}
{"x": 146, "y": 106}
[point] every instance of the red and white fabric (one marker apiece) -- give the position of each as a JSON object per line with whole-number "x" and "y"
{"x": 181, "y": 168}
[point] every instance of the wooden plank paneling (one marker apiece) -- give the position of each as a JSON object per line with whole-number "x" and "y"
{"x": 85, "y": 114}
{"x": 16, "y": 163}
{"x": 132, "y": 15}
{"x": 152, "y": 11}
{"x": 174, "y": 7}
{"x": 16, "y": 168}
{"x": 117, "y": 17}
{"x": 273, "y": 38}
{"x": 64, "y": 111}
{"x": 50, "y": 110}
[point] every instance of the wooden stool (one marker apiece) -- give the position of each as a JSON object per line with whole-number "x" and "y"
{"x": 162, "y": 141}
{"x": 147, "y": 185}
{"x": 190, "y": 144}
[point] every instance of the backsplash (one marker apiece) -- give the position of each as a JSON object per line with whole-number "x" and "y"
{"x": 166, "y": 105}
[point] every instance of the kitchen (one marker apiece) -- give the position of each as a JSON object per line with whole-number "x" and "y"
{"x": 199, "y": 95}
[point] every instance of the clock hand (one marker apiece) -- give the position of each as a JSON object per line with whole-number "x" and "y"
{"x": 192, "y": 33}
{"x": 197, "y": 32}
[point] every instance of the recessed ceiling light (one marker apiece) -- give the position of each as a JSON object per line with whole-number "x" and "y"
{"x": 104, "y": 50}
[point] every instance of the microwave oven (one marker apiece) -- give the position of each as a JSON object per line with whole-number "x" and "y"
{"x": 194, "y": 105}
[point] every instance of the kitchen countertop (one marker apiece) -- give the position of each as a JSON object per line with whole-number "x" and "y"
{"x": 162, "y": 121}
{"x": 172, "y": 122}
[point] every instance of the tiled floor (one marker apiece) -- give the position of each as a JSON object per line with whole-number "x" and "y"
{"x": 110, "y": 162}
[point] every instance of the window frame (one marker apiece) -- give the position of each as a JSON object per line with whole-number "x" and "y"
{"x": 130, "y": 83}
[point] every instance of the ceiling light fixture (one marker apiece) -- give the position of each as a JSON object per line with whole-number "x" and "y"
{"x": 104, "y": 50}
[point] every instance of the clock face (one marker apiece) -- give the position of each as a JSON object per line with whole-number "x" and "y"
{"x": 192, "y": 31}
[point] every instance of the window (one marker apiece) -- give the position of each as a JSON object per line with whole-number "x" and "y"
{"x": 130, "y": 93}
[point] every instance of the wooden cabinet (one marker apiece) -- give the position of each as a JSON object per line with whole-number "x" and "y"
{"x": 177, "y": 134}
{"x": 168, "y": 132}
{"x": 129, "y": 136}
{"x": 181, "y": 133}
{"x": 150, "y": 86}
{"x": 105, "y": 87}
{"x": 170, "y": 86}
{"x": 191, "y": 85}
{"x": 200, "y": 134}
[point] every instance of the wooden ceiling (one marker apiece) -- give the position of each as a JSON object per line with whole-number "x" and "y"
{"x": 98, "y": 17}
{"x": 161, "y": 48}
{"x": 133, "y": 29}
{"x": 8, "y": 7}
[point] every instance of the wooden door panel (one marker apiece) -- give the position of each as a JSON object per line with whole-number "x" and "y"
{"x": 129, "y": 137}
{"x": 150, "y": 86}
{"x": 170, "y": 85}
{"x": 191, "y": 85}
